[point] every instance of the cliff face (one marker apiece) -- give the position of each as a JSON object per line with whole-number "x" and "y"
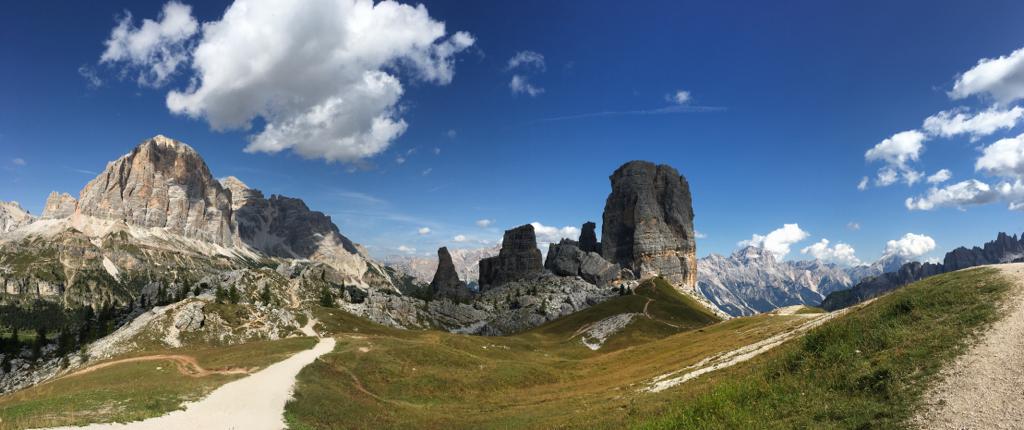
{"x": 446, "y": 281}
{"x": 648, "y": 223}
{"x": 165, "y": 184}
{"x": 518, "y": 259}
{"x": 59, "y": 205}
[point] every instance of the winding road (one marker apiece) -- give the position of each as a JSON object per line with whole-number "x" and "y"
{"x": 255, "y": 402}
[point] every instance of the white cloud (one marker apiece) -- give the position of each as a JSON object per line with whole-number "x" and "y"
{"x": 896, "y": 152}
{"x": 548, "y": 234}
{"x": 1005, "y": 157}
{"x": 940, "y": 177}
{"x": 18, "y": 161}
{"x": 322, "y": 75}
{"x": 863, "y": 184}
{"x": 841, "y": 253}
{"x": 427, "y": 171}
{"x": 406, "y": 249}
{"x": 423, "y": 231}
{"x": 679, "y": 97}
{"x": 484, "y": 223}
{"x": 960, "y": 194}
{"x": 451, "y": 133}
{"x": 1000, "y": 78}
{"x": 521, "y": 85}
{"x": 90, "y": 76}
{"x": 526, "y": 59}
{"x": 957, "y": 121}
{"x": 699, "y": 235}
{"x": 400, "y": 159}
{"x": 437, "y": 151}
{"x": 910, "y": 246}
{"x": 460, "y": 238}
{"x": 156, "y": 48}
{"x": 779, "y": 240}
{"x": 853, "y": 225}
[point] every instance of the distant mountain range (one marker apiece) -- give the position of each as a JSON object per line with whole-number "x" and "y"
{"x": 422, "y": 268}
{"x": 752, "y": 280}
{"x": 1004, "y": 249}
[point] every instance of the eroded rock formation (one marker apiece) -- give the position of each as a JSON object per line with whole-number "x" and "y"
{"x": 518, "y": 259}
{"x": 162, "y": 183}
{"x": 446, "y": 281}
{"x": 59, "y": 205}
{"x": 588, "y": 238}
{"x": 648, "y": 223}
{"x": 567, "y": 259}
{"x": 13, "y": 216}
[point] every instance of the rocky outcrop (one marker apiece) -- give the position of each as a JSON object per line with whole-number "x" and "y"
{"x": 13, "y": 216}
{"x": 446, "y": 281}
{"x": 588, "y": 238}
{"x": 518, "y": 259}
{"x": 1004, "y": 249}
{"x": 648, "y": 223}
{"x": 164, "y": 184}
{"x": 190, "y": 317}
{"x": 567, "y": 259}
{"x": 59, "y": 205}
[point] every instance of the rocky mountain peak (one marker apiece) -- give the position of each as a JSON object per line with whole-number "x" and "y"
{"x": 162, "y": 183}
{"x": 518, "y": 259}
{"x": 446, "y": 282}
{"x": 59, "y": 205}
{"x": 12, "y": 216}
{"x": 648, "y": 223}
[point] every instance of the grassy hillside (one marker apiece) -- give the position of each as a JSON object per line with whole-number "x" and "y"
{"x": 545, "y": 378}
{"x": 865, "y": 370}
{"x": 135, "y": 390}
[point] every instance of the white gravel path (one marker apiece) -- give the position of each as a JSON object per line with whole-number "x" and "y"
{"x": 255, "y": 402}
{"x": 984, "y": 388}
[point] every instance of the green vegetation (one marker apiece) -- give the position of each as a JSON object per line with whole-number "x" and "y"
{"x": 865, "y": 370}
{"x": 135, "y": 390}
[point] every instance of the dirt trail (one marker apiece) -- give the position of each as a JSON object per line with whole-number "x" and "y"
{"x": 739, "y": 355}
{"x": 186, "y": 364}
{"x": 984, "y": 388}
{"x": 648, "y": 315}
{"x": 255, "y": 402}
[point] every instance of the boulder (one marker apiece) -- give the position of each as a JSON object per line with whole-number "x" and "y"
{"x": 518, "y": 259}
{"x": 59, "y": 205}
{"x": 190, "y": 317}
{"x": 648, "y": 223}
{"x": 567, "y": 259}
{"x": 446, "y": 281}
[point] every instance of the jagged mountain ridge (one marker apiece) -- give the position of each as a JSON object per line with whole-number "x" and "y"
{"x": 752, "y": 280}
{"x": 466, "y": 262}
{"x": 1003, "y": 249}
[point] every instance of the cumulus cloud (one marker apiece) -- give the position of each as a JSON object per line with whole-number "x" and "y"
{"x": 423, "y": 231}
{"x": 1005, "y": 157}
{"x": 939, "y": 177}
{"x": 18, "y": 161}
{"x": 779, "y": 240}
{"x": 427, "y": 171}
{"x": 910, "y": 246}
{"x": 840, "y": 253}
{"x": 548, "y": 234}
{"x": 460, "y": 238}
{"x": 484, "y": 223}
{"x": 322, "y": 75}
{"x": 527, "y": 59}
{"x": 957, "y": 121}
{"x": 999, "y": 78}
{"x": 958, "y": 195}
{"x": 90, "y": 76}
{"x": 679, "y": 97}
{"x": 699, "y": 235}
{"x": 156, "y": 48}
{"x": 853, "y": 225}
{"x": 896, "y": 152}
{"x": 406, "y": 249}
{"x": 520, "y": 84}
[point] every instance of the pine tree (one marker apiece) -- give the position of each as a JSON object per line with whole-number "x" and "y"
{"x": 265, "y": 295}
{"x": 233, "y": 295}
{"x": 326, "y": 297}
{"x": 219, "y": 295}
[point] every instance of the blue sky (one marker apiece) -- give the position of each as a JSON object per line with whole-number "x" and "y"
{"x": 784, "y": 102}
